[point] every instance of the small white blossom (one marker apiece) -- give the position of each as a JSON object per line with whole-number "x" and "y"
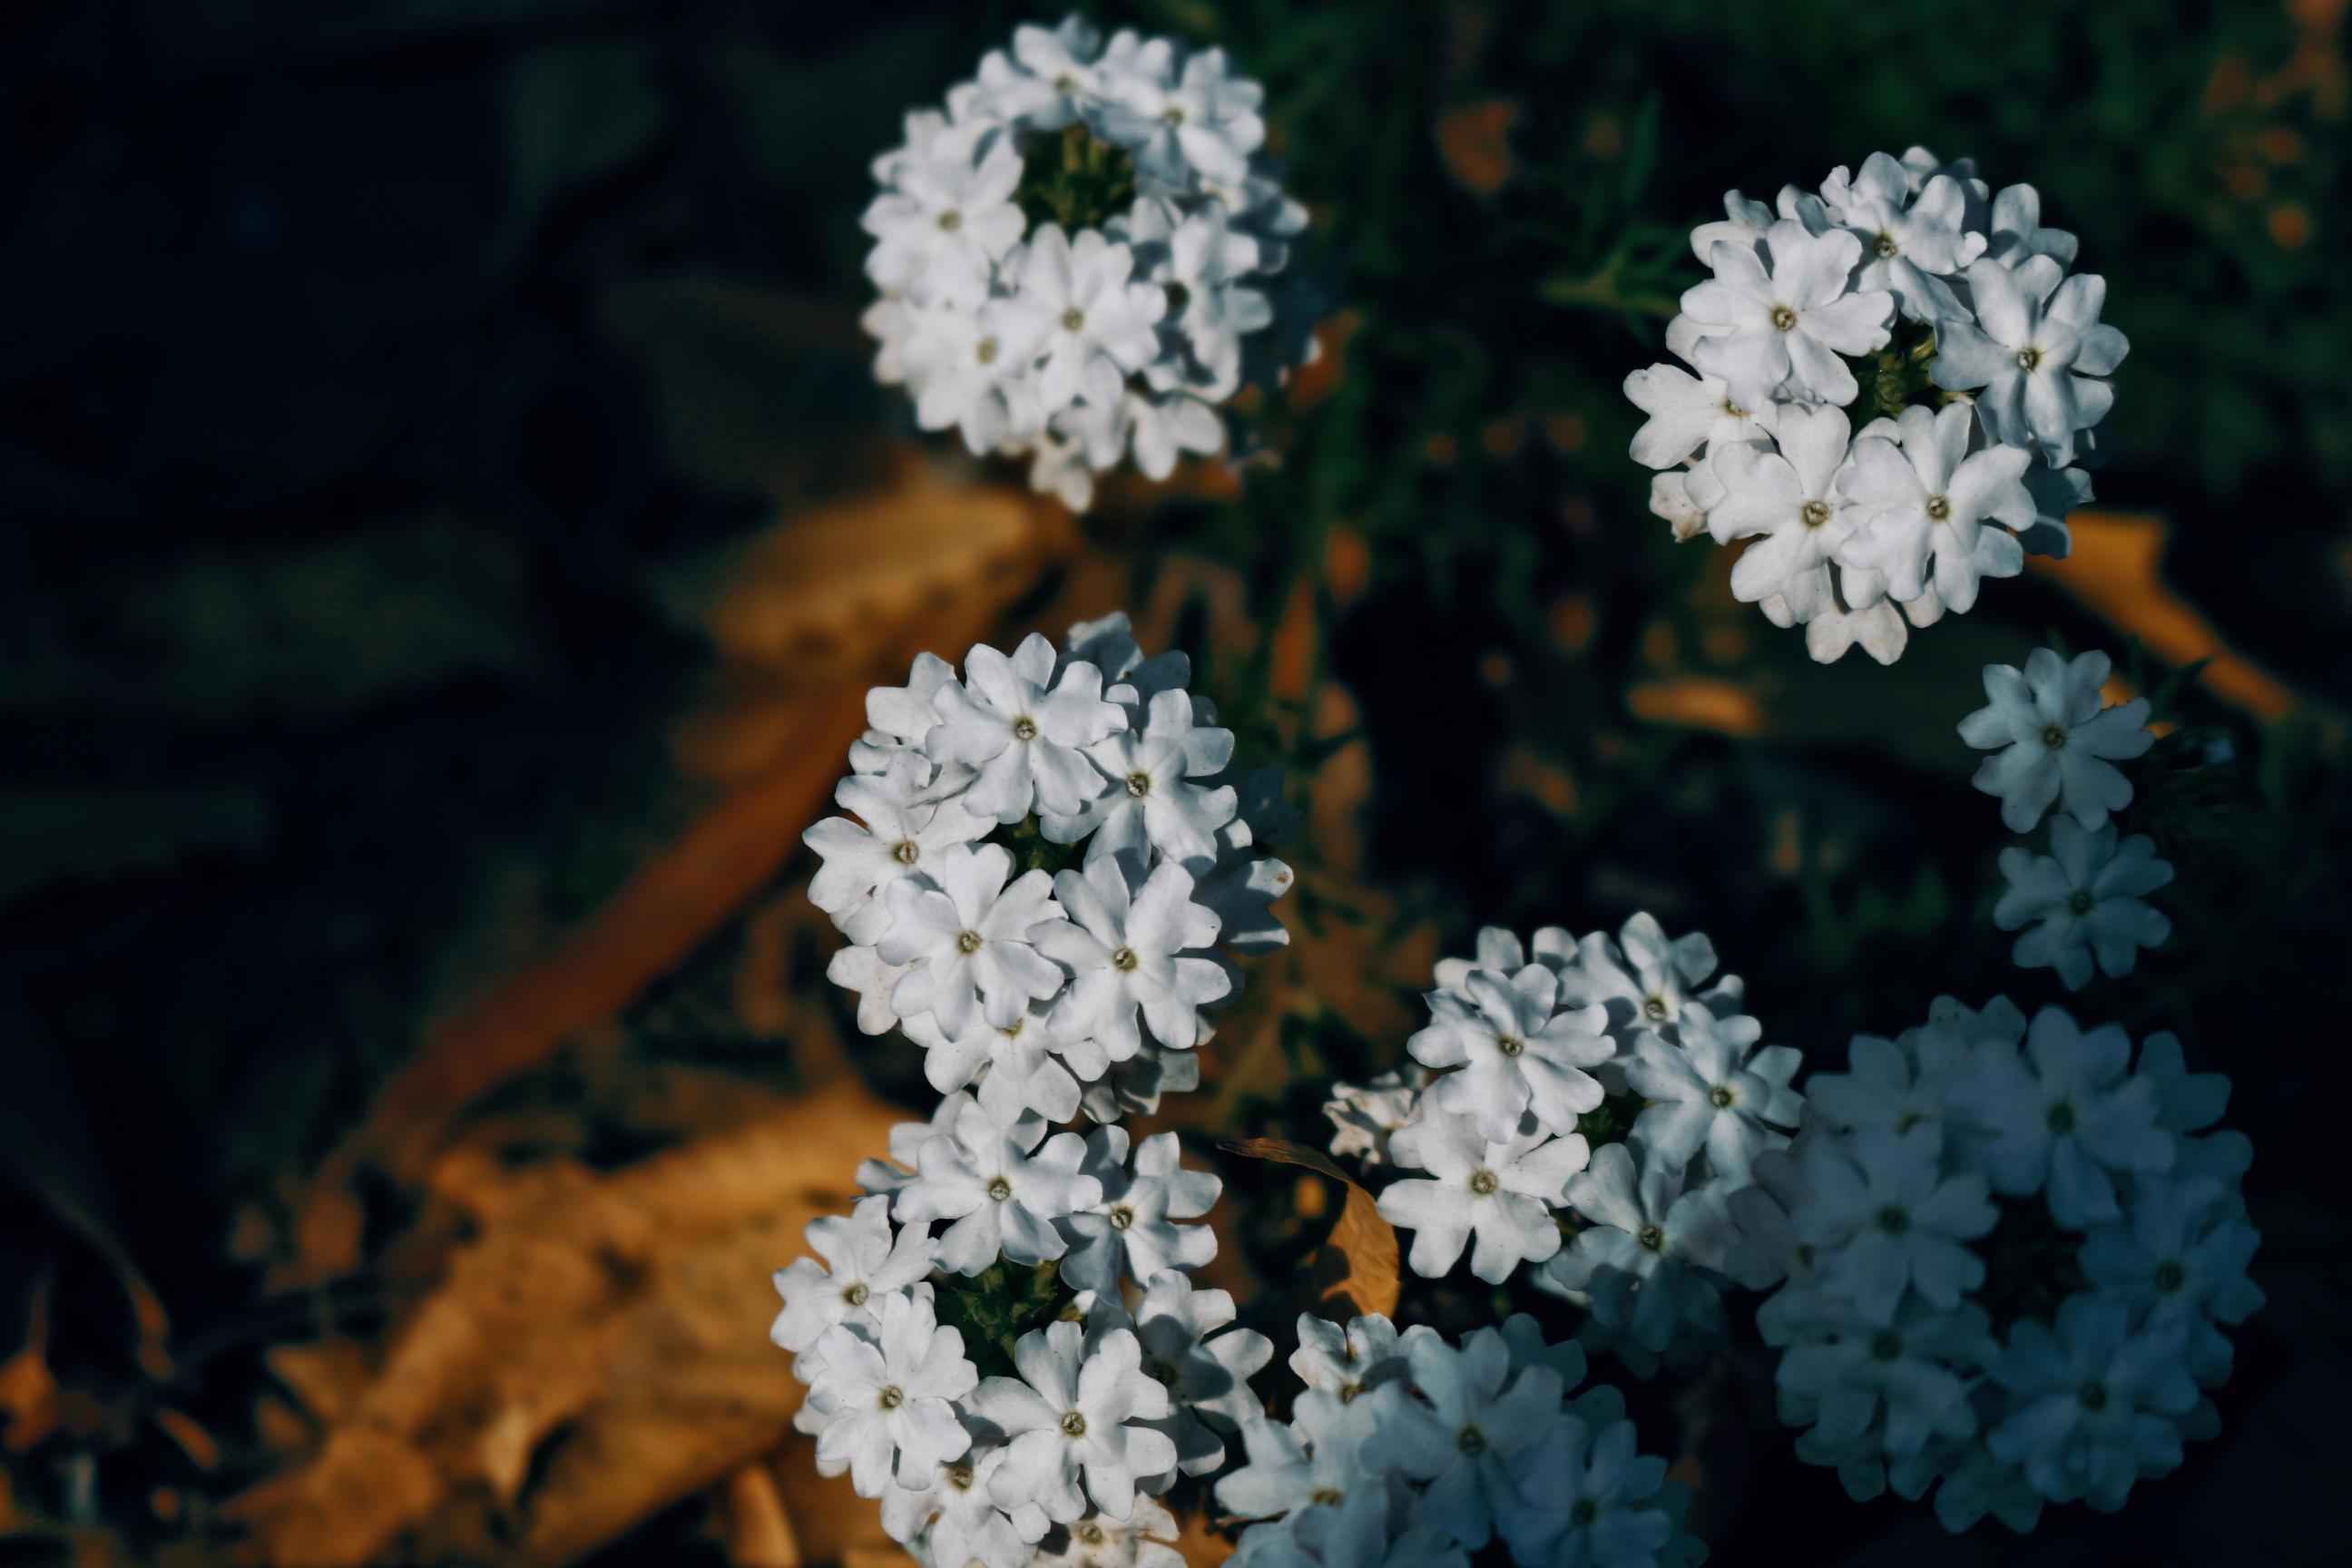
{"x": 1132, "y": 1222}
{"x": 1349, "y": 1362}
{"x": 1912, "y": 236}
{"x": 2034, "y": 355}
{"x": 2065, "y": 1115}
{"x": 1713, "y": 1090}
{"x": 2097, "y": 1404}
{"x": 864, "y": 1261}
{"x": 1589, "y": 1499}
{"x": 1925, "y": 500}
{"x": 893, "y": 1395}
{"x": 1907, "y": 1380}
{"x": 1687, "y": 413}
{"x": 1131, "y": 953}
{"x": 1003, "y": 1190}
{"x": 1147, "y": 802}
{"x": 1513, "y": 1053}
{"x": 1887, "y": 1220}
{"x": 957, "y": 1520}
{"x": 1318, "y": 1460}
{"x": 1461, "y": 1435}
{"x": 1076, "y": 313}
{"x": 1646, "y": 1239}
{"x": 1787, "y": 315}
{"x": 901, "y": 826}
{"x": 1202, "y": 118}
{"x": 949, "y": 218}
{"x": 1077, "y": 1412}
{"x": 2082, "y": 899}
{"x": 1024, "y": 728}
{"x": 1205, "y": 1371}
{"x": 968, "y": 939}
{"x": 1499, "y": 1193}
{"x": 1794, "y": 503}
{"x": 1364, "y": 1117}
{"x": 2053, "y": 742}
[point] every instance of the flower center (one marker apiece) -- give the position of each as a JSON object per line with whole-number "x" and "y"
{"x": 1327, "y": 1497}
{"x": 950, "y": 221}
{"x": 1886, "y": 249}
{"x": 2061, "y": 1119}
{"x": 1090, "y": 1532}
{"x": 1178, "y": 298}
{"x": 2054, "y": 736}
{"x": 2093, "y": 1396}
{"x": 1122, "y": 1217}
{"x": 1894, "y": 1220}
{"x": 1073, "y": 319}
{"x": 1939, "y": 509}
{"x": 1125, "y": 960}
{"x": 960, "y": 1476}
{"x": 1733, "y": 410}
{"x": 1816, "y": 512}
{"x": 2082, "y": 902}
{"x": 1348, "y": 1392}
{"x": 1066, "y": 82}
{"x": 999, "y": 1190}
{"x": 1173, "y": 115}
{"x": 1165, "y": 1373}
{"x": 1024, "y": 728}
{"x": 1585, "y": 1511}
{"x": 1784, "y": 319}
{"x": 1471, "y": 1441}
{"x": 968, "y": 941}
{"x": 856, "y": 1294}
{"x": 1886, "y": 1346}
{"x": 1509, "y": 1045}
{"x": 1654, "y": 1008}
{"x": 1483, "y": 1183}
{"x": 984, "y": 350}
{"x": 892, "y": 1396}
{"x": 1074, "y": 1424}
{"x": 906, "y": 852}
{"x": 1651, "y": 1237}
{"x": 2170, "y": 1276}
{"x": 1722, "y": 1094}
{"x": 2029, "y": 358}
{"x": 1138, "y": 784}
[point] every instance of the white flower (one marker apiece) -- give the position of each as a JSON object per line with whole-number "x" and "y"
{"x": 1348, "y": 1363}
{"x": 1003, "y": 1199}
{"x": 1589, "y": 1499}
{"x": 1364, "y": 1117}
{"x": 949, "y": 218}
{"x": 2052, "y": 740}
{"x": 863, "y": 1260}
{"x": 2085, "y": 895}
{"x": 1158, "y": 426}
{"x": 1645, "y": 979}
{"x": 1076, "y": 1410}
{"x": 1883, "y": 1219}
{"x": 957, "y": 1519}
{"x": 1130, "y": 1222}
{"x": 1147, "y": 802}
{"x": 2033, "y": 353}
{"x": 863, "y": 970}
{"x": 1513, "y": 1052}
{"x": 1315, "y": 1462}
{"x": 1126, "y": 953}
{"x": 1708, "y": 1092}
{"x": 899, "y": 717}
{"x": 1016, "y": 1067}
{"x": 1143, "y": 1540}
{"x": 1050, "y": 80}
{"x": 1743, "y": 222}
{"x": 1687, "y": 413}
{"x": 1790, "y": 321}
{"x": 1674, "y": 497}
{"x": 969, "y": 939}
{"x": 1898, "y": 1085}
{"x": 1794, "y": 499}
{"x": 2017, "y": 233}
{"x": 2098, "y": 1404}
{"x": 1206, "y": 1372}
{"x": 1908, "y": 246}
{"x": 1205, "y": 120}
{"x": 1927, "y": 498}
{"x": 1204, "y": 266}
{"x": 1362, "y": 1530}
{"x": 1906, "y": 1379}
{"x": 1074, "y": 308}
{"x": 1460, "y": 1442}
{"x": 903, "y": 823}
{"x": 1646, "y": 1237}
{"x": 1024, "y": 728}
{"x": 965, "y": 379}
{"x": 2179, "y": 1255}
{"x": 2063, "y": 1115}
{"x": 893, "y": 1397}
{"x": 1499, "y": 1191}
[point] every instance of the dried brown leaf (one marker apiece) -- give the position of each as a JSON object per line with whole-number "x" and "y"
{"x": 1355, "y": 1270}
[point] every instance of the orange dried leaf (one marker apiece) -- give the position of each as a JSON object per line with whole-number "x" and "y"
{"x": 1355, "y": 1270}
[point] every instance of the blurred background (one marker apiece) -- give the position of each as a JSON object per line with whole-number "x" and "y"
{"x": 450, "y": 524}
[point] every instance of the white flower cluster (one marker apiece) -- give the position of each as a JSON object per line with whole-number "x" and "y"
{"x": 1044, "y": 991}
{"x": 1405, "y": 1451}
{"x": 1084, "y": 256}
{"x": 1061, "y": 1258}
{"x": 1983, "y": 360}
{"x": 2008, "y": 1261}
{"x": 2053, "y": 743}
{"x": 1545, "y": 1051}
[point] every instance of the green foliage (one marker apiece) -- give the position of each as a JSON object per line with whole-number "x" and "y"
{"x": 995, "y": 1307}
{"x": 2030, "y": 1263}
{"x": 1076, "y": 180}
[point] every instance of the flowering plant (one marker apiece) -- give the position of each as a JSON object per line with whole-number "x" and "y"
{"x": 1947, "y": 312}
{"x": 1085, "y": 255}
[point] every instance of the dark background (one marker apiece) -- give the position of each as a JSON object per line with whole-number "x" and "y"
{"x": 384, "y": 383}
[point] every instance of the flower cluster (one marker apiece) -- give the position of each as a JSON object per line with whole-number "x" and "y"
{"x": 1084, "y": 254}
{"x": 2053, "y": 744}
{"x": 1405, "y": 1451}
{"x": 2005, "y": 1260}
{"x": 1605, "y": 1080}
{"x": 1982, "y": 368}
{"x": 1002, "y": 1341}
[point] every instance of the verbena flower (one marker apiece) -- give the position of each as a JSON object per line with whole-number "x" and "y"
{"x": 2053, "y": 742}
{"x": 1076, "y": 1413}
{"x": 1513, "y": 1051}
{"x": 865, "y": 1260}
{"x": 1132, "y": 1222}
{"x": 1712, "y": 1089}
{"x": 968, "y": 936}
{"x": 2083, "y": 900}
{"x": 892, "y": 1395}
{"x": 1000, "y": 1188}
{"x": 1494, "y": 1196}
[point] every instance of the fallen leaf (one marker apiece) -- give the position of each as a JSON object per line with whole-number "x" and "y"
{"x": 1355, "y": 1270}
{"x": 1475, "y": 139}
